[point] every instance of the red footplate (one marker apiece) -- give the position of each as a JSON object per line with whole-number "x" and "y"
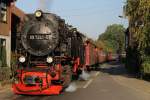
{"x": 35, "y": 90}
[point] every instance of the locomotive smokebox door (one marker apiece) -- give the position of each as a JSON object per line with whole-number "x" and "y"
{"x": 40, "y": 37}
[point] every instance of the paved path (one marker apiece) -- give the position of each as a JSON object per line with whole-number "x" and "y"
{"x": 111, "y": 83}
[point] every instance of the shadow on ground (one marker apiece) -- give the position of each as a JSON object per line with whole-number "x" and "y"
{"x": 114, "y": 68}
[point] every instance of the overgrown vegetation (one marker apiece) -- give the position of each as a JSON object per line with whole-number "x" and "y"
{"x": 138, "y": 52}
{"x": 5, "y": 74}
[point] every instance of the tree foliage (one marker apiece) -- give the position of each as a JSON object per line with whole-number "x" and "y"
{"x": 138, "y": 13}
{"x": 113, "y": 38}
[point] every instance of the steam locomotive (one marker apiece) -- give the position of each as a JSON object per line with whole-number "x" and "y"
{"x": 50, "y": 54}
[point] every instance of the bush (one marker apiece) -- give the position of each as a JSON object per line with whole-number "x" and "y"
{"x": 145, "y": 67}
{"x": 13, "y": 64}
{"x": 5, "y": 73}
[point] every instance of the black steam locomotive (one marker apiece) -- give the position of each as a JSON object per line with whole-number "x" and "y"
{"x": 49, "y": 53}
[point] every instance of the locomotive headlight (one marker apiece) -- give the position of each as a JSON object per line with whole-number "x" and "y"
{"x": 49, "y": 60}
{"x": 38, "y": 13}
{"x": 22, "y": 59}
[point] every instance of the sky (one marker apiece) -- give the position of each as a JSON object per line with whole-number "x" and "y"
{"x": 90, "y": 17}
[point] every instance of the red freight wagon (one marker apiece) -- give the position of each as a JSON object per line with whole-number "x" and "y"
{"x": 102, "y": 56}
{"x": 109, "y": 56}
{"x": 91, "y": 54}
{"x": 96, "y": 56}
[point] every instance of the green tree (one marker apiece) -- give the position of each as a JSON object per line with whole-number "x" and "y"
{"x": 138, "y": 13}
{"x": 113, "y": 38}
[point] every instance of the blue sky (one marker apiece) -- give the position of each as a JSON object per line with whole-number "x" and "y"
{"x": 90, "y": 16}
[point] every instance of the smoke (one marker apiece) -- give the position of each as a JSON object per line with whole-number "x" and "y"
{"x": 45, "y": 5}
{"x": 71, "y": 88}
{"x": 84, "y": 76}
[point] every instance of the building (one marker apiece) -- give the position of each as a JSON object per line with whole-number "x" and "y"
{"x": 10, "y": 17}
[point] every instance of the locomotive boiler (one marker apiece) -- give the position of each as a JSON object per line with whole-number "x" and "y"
{"x": 49, "y": 54}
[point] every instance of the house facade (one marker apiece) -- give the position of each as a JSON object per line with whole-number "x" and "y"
{"x": 10, "y": 17}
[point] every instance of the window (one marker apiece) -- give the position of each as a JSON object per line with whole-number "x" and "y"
{"x": 3, "y": 53}
{"x": 3, "y": 11}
